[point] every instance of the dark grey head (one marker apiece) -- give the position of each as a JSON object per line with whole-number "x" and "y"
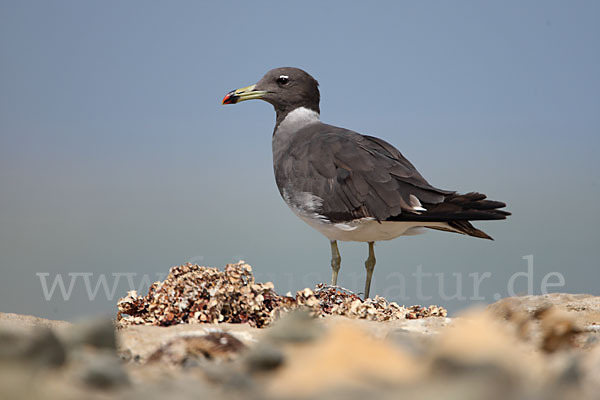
{"x": 286, "y": 88}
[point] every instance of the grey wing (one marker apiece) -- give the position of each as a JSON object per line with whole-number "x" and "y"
{"x": 352, "y": 176}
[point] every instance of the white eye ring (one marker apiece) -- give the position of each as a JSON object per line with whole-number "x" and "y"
{"x": 283, "y": 79}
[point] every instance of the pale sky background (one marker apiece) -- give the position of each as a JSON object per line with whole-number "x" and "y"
{"x": 117, "y": 157}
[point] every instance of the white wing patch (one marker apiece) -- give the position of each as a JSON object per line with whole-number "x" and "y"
{"x": 416, "y": 204}
{"x": 305, "y": 204}
{"x": 308, "y": 201}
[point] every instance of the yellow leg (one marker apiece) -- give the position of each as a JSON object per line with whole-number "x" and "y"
{"x": 370, "y": 266}
{"x": 336, "y": 261}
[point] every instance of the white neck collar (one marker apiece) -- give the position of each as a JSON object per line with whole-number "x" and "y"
{"x": 298, "y": 118}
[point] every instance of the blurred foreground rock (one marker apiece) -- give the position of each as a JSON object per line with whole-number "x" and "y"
{"x": 535, "y": 347}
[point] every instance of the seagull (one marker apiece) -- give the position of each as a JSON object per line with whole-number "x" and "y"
{"x": 349, "y": 186}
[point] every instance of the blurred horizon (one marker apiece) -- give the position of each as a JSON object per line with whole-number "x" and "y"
{"x": 116, "y": 156}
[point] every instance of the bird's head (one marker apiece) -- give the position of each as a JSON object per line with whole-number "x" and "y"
{"x": 285, "y": 88}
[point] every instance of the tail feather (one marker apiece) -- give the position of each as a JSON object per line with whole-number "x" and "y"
{"x": 458, "y": 207}
{"x": 456, "y": 211}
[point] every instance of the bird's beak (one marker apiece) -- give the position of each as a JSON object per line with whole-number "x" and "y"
{"x": 246, "y": 93}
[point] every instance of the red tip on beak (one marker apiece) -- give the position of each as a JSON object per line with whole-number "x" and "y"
{"x": 229, "y": 98}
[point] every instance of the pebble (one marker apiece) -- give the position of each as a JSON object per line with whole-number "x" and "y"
{"x": 263, "y": 357}
{"x": 295, "y": 326}
{"x": 103, "y": 370}
{"x": 98, "y": 333}
{"x": 39, "y": 347}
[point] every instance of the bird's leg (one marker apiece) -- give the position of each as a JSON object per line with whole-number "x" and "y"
{"x": 370, "y": 266}
{"x": 336, "y": 260}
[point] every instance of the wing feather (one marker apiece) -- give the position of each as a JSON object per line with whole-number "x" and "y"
{"x": 356, "y": 176}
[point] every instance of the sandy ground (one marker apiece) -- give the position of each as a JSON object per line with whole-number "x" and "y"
{"x": 523, "y": 347}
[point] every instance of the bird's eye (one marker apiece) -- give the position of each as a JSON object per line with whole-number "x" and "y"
{"x": 283, "y": 79}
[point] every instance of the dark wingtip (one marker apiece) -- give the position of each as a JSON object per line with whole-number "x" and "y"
{"x": 480, "y": 234}
{"x": 467, "y": 228}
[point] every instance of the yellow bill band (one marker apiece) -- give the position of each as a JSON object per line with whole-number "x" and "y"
{"x": 245, "y": 93}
